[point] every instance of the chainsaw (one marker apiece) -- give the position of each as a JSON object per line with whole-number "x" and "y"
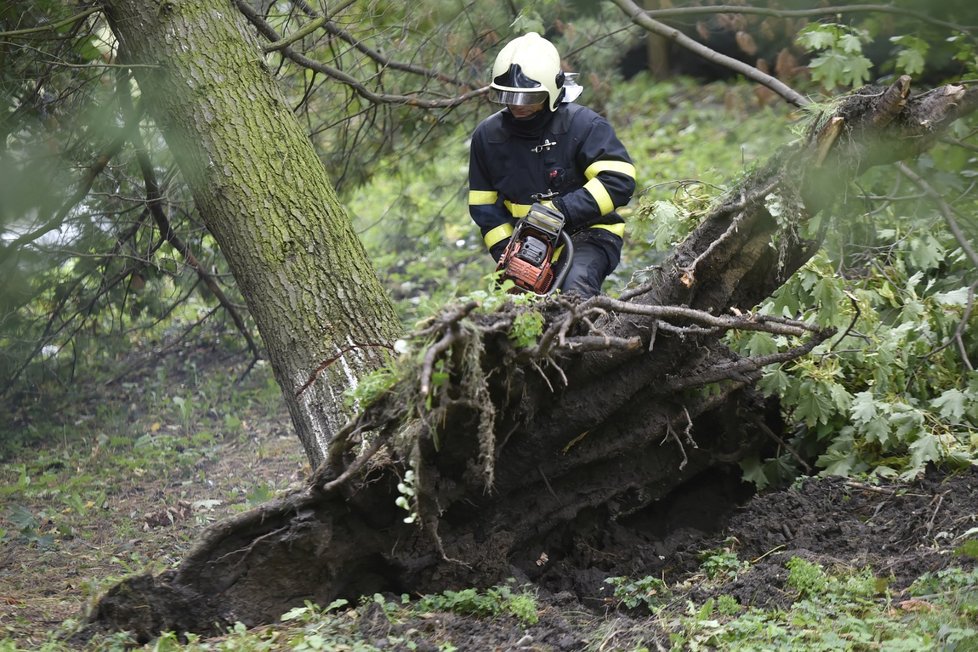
{"x": 528, "y": 259}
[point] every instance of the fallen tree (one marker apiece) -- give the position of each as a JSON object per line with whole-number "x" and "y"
{"x": 500, "y": 444}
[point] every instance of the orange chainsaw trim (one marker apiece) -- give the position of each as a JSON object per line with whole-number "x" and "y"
{"x": 526, "y": 275}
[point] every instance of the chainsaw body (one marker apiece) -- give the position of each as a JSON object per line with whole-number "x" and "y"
{"x": 529, "y": 257}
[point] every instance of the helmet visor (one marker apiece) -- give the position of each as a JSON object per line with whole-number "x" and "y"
{"x": 518, "y": 98}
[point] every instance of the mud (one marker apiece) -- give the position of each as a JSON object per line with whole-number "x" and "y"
{"x": 899, "y": 530}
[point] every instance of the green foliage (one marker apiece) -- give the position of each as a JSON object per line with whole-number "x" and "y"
{"x": 808, "y": 579}
{"x": 889, "y": 395}
{"x": 840, "y": 60}
{"x": 650, "y": 592}
{"x": 836, "y": 611}
{"x": 494, "y": 601}
{"x": 527, "y": 328}
{"x": 911, "y": 57}
{"x": 721, "y": 564}
{"x": 372, "y": 386}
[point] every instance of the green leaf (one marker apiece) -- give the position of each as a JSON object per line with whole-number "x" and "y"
{"x": 863, "y": 407}
{"x": 851, "y": 44}
{"x": 858, "y": 69}
{"x": 951, "y": 404}
{"x": 837, "y": 462}
{"x": 926, "y": 253}
{"x": 828, "y": 69}
{"x": 817, "y": 37}
{"x": 925, "y": 449}
{"x": 775, "y": 382}
{"x": 813, "y": 406}
{"x": 910, "y": 62}
{"x": 753, "y": 471}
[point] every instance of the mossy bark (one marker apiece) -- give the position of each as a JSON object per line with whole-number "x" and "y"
{"x": 260, "y": 189}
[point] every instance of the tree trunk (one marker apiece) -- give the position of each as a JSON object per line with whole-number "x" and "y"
{"x": 264, "y": 195}
{"x": 521, "y": 450}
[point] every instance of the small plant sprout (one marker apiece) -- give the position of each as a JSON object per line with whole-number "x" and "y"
{"x": 405, "y": 499}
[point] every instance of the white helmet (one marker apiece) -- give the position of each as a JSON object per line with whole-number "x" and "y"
{"x": 527, "y": 71}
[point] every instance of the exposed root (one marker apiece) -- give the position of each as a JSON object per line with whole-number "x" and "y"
{"x": 687, "y": 437}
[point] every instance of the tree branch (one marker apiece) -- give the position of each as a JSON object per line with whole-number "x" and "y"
{"x": 801, "y": 13}
{"x": 641, "y": 18}
{"x": 52, "y": 26}
{"x": 353, "y": 83}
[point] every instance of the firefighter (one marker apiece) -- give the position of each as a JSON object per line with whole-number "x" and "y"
{"x": 543, "y": 147}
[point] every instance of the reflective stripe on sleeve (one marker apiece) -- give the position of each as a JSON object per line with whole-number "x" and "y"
{"x": 617, "y": 229}
{"x": 498, "y": 234}
{"x": 482, "y": 197}
{"x": 601, "y": 196}
{"x": 516, "y": 210}
{"x": 621, "y": 167}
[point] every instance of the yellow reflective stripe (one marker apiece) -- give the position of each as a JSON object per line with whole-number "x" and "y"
{"x": 617, "y": 229}
{"x": 621, "y": 167}
{"x": 482, "y": 197}
{"x": 516, "y": 210}
{"x": 601, "y": 196}
{"x": 498, "y": 234}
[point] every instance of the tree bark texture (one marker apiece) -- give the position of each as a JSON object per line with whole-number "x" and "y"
{"x": 260, "y": 189}
{"x": 518, "y": 450}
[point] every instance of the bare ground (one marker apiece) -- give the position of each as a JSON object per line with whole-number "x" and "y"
{"x": 150, "y": 519}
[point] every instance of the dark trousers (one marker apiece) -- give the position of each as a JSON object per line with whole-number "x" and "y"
{"x": 596, "y": 254}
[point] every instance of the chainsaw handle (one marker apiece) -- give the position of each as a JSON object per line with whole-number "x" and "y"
{"x": 568, "y": 255}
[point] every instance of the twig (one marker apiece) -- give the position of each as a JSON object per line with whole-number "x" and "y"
{"x": 773, "y": 435}
{"x": 723, "y": 322}
{"x": 451, "y": 334}
{"x": 50, "y": 26}
{"x": 933, "y": 516}
{"x": 329, "y": 361}
{"x": 344, "y": 78}
{"x": 736, "y": 370}
{"x": 549, "y": 488}
{"x": 852, "y": 324}
{"x": 301, "y": 33}
{"x": 154, "y": 201}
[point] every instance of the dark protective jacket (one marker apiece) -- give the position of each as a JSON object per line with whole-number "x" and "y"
{"x": 570, "y": 157}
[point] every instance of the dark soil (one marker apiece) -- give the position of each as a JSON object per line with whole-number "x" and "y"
{"x": 899, "y": 530}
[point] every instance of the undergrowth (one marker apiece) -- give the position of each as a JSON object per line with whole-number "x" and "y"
{"x": 824, "y": 609}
